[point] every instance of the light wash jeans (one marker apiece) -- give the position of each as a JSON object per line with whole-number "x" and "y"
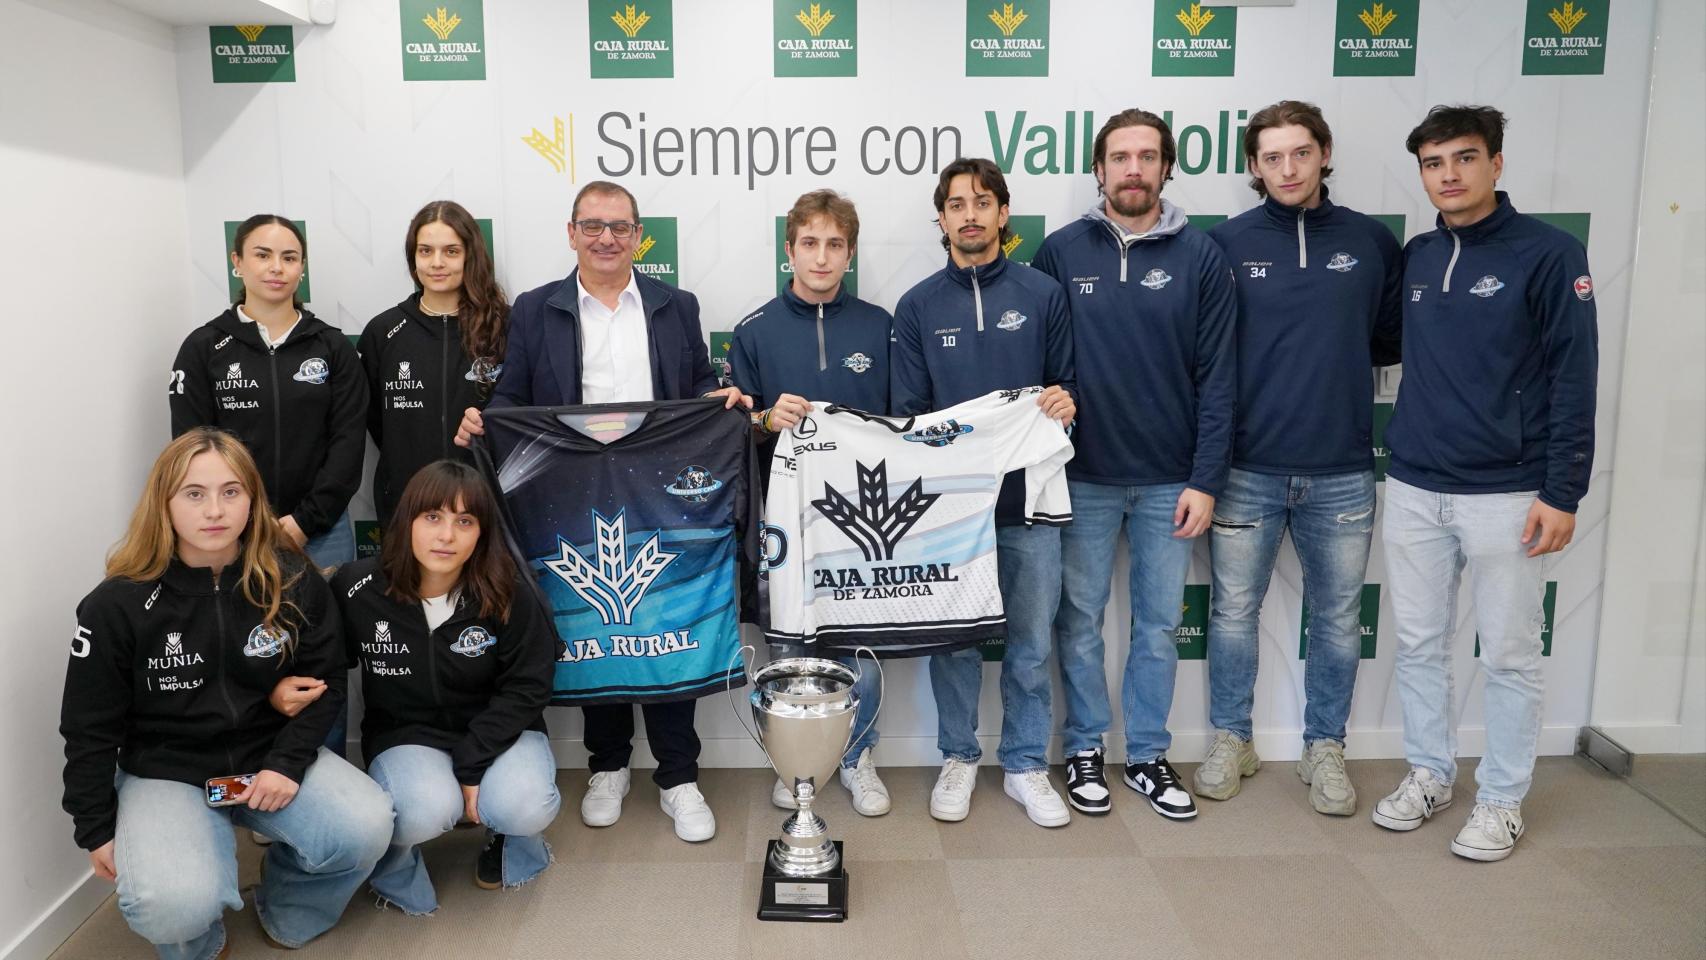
{"x": 177, "y": 858}
{"x": 1029, "y": 560}
{"x": 1331, "y": 518}
{"x": 1159, "y": 565}
{"x": 1430, "y": 538}
{"x": 868, "y": 689}
{"x": 518, "y": 798}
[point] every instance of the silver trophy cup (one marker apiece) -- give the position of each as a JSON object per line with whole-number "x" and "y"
{"x": 804, "y": 709}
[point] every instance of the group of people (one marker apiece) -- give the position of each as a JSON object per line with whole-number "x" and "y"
{"x": 1215, "y": 383}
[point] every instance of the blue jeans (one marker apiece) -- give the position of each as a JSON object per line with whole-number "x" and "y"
{"x": 334, "y": 547}
{"x": 1331, "y": 519}
{"x": 1030, "y": 571}
{"x": 1430, "y": 538}
{"x": 518, "y": 798}
{"x": 868, "y": 689}
{"x": 1159, "y": 565}
{"x": 177, "y": 858}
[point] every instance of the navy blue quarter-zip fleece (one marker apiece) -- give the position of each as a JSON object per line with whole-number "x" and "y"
{"x": 1501, "y": 361}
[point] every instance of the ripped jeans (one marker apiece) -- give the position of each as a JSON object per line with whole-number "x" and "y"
{"x": 1331, "y": 518}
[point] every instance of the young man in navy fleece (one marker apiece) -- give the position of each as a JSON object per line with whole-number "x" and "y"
{"x": 1492, "y": 446}
{"x": 984, "y": 323}
{"x": 1317, "y": 309}
{"x": 1152, "y": 317}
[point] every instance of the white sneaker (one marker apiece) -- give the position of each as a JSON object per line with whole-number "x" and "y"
{"x": 870, "y": 796}
{"x": 1490, "y": 834}
{"x": 686, "y": 806}
{"x": 1419, "y": 796}
{"x": 1034, "y": 792}
{"x": 602, "y": 805}
{"x": 1322, "y": 766}
{"x": 951, "y": 798}
{"x": 782, "y": 797}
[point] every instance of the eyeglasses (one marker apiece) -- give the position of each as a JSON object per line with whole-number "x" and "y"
{"x": 620, "y": 229}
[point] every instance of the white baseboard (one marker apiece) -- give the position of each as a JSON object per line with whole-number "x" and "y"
{"x": 1188, "y": 747}
{"x": 58, "y": 922}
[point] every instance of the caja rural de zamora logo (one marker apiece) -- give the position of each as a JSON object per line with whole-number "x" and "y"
{"x": 632, "y": 39}
{"x": 1007, "y": 39}
{"x": 253, "y": 53}
{"x": 817, "y": 39}
{"x": 1194, "y": 41}
{"x": 1565, "y": 38}
{"x": 1375, "y": 40}
{"x": 443, "y": 41}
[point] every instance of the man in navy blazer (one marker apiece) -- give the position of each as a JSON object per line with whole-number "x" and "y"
{"x": 608, "y": 334}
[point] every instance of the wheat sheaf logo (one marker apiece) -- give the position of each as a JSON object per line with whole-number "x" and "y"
{"x": 616, "y": 585}
{"x": 815, "y": 20}
{"x": 631, "y": 22}
{"x": 554, "y": 148}
{"x": 441, "y": 24}
{"x": 252, "y": 31}
{"x": 644, "y": 248}
{"x": 1568, "y": 18}
{"x": 1378, "y": 19}
{"x": 1196, "y": 19}
{"x": 1007, "y": 19}
{"x": 875, "y": 526}
{"x": 1011, "y": 244}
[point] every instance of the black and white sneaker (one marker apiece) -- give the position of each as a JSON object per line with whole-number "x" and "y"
{"x": 1158, "y": 781}
{"x": 1086, "y": 785}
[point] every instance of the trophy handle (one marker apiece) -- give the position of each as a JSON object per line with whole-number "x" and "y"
{"x": 735, "y": 705}
{"x": 882, "y": 684}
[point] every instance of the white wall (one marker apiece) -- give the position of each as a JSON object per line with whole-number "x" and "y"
{"x": 1650, "y": 684}
{"x": 97, "y": 300}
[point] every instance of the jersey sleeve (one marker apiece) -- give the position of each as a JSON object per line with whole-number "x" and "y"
{"x": 783, "y": 589}
{"x": 1028, "y": 439}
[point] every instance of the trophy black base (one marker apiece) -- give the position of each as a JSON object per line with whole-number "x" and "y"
{"x": 821, "y": 899}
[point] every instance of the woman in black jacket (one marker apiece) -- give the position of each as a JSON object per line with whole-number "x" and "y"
{"x": 456, "y": 664}
{"x": 203, "y": 608}
{"x": 287, "y": 384}
{"x": 436, "y": 353}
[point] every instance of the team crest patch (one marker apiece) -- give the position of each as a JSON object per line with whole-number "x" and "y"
{"x": 1584, "y": 287}
{"x": 1011, "y": 320}
{"x": 858, "y": 363}
{"x": 1341, "y": 263}
{"x": 772, "y": 549}
{"x": 484, "y": 370}
{"x": 264, "y": 643}
{"x": 1156, "y": 279}
{"x": 234, "y": 371}
{"x": 313, "y": 370}
{"x": 694, "y": 484}
{"x": 1487, "y": 286}
{"x": 939, "y": 435}
{"x": 473, "y": 641}
{"x": 403, "y": 370}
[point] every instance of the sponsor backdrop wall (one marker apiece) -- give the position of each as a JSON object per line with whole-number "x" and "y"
{"x": 717, "y": 115}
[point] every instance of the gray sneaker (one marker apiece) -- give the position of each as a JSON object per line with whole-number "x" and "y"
{"x": 1230, "y": 759}
{"x": 1322, "y": 766}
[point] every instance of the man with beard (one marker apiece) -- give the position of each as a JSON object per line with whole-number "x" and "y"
{"x": 1153, "y": 304}
{"x": 984, "y": 323}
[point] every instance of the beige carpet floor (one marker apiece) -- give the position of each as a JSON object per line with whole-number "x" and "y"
{"x": 1603, "y": 873}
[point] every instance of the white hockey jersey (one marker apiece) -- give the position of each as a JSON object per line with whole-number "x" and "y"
{"x": 880, "y": 531}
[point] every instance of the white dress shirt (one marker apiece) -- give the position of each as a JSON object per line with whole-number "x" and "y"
{"x": 616, "y": 353}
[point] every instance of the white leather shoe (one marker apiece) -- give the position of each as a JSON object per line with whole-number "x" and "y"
{"x": 685, "y": 805}
{"x": 602, "y": 805}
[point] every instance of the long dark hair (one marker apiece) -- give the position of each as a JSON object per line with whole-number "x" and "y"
{"x": 483, "y": 313}
{"x": 488, "y": 578}
{"x": 258, "y": 221}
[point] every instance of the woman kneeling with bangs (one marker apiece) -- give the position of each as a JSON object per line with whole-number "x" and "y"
{"x": 456, "y": 670}
{"x": 204, "y": 606}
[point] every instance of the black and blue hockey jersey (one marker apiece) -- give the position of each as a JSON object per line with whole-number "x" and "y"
{"x": 638, "y": 522}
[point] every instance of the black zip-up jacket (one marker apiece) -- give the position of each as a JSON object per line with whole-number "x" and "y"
{"x": 298, "y": 407}
{"x": 421, "y": 380}
{"x": 169, "y": 680}
{"x": 471, "y": 687}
